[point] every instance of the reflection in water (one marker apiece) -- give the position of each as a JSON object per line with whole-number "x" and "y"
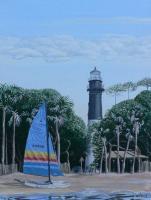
{"x": 85, "y": 195}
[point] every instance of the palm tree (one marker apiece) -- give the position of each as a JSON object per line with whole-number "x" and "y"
{"x": 101, "y": 160}
{"x": 129, "y": 86}
{"x": 136, "y": 131}
{"x": 15, "y": 121}
{"x": 3, "y": 140}
{"x": 105, "y": 151}
{"x": 118, "y": 129}
{"x": 115, "y": 90}
{"x": 129, "y": 138}
{"x": 135, "y": 121}
{"x": 5, "y": 101}
{"x": 118, "y": 144}
{"x": 109, "y": 161}
{"x": 58, "y": 122}
{"x": 146, "y": 82}
{"x": 5, "y": 109}
{"x": 68, "y": 155}
{"x": 57, "y": 116}
{"x": 6, "y": 148}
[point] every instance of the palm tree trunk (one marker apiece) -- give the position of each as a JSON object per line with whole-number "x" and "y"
{"x": 68, "y": 155}
{"x": 106, "y": 167}
{"x": 110, "y": 150}
{"x": 125, "y": 153}
{"x": 115, "y": 98}
{"x": 6, "y": 151}
{"x": 101, "y": 161}
{"x": 13, "y": 141}
{"x": 68, "y": 161}
{"x": 118, "y": 159}
{"x": 134, "y": 158}
{"x": 139, "y": 164}
{"x": 3, "y": 141}
{"x": 58, "y": 143}
{"x": 81, "y": 165}
{"x": 105, "y": 151}
{"x": 128, "y": 93}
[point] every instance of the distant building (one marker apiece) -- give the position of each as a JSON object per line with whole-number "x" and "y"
{"x": 95, "y": 89}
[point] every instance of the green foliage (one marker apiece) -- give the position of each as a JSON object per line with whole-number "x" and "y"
{"x": 99, "y": 131}
{"x": 73, "y": 130}
{"x": 25, "y": 102}
{"x": 127, "y": 110}
{"x": 97, "y": 145}
{"x": 144, "y": 98}
{"x": 140, "y": 109}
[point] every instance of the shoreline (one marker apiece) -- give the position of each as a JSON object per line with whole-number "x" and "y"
{"x": 112, "y": 182}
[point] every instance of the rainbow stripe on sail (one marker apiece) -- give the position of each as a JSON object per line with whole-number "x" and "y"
{"x": 39, "y": 156}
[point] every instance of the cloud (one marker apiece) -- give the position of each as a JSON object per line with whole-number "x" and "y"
{"x": 64, "y": 48}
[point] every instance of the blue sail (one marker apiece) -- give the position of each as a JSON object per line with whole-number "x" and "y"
{"x": 36, "y": 152}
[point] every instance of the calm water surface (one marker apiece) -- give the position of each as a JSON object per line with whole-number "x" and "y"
{"x": 93, "y": 195}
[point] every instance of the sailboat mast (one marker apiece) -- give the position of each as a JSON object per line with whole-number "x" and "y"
{"x": 48, "y": 150}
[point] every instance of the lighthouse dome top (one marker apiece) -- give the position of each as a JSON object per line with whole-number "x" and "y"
{"x": 95, "y": 75}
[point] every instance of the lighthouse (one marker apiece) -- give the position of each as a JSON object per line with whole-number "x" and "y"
{"x": 95, "y": 89}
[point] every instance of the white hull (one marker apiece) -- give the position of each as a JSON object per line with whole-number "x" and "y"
{"x": 55, "y": 184}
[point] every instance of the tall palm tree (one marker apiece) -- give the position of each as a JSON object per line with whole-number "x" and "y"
{"x": 109, "y": 161}
{"x": 118, "y": 144}
{"x": 68, "y": 155}
{"x": 5, "y": 102}
{"x": 136, "y": 131}
{"x": 58, "y": 122}
{"x": 115, "y": 90}
{"x": 101, "y": 160}
{"x": 129, "y": 139}
{"x": 105, "y": 151}
{"x": 3, "y": 140}
{"x": 57, "y": 116}
{"x": 118, "y": 129}
{"x": 5, "y": 109}
{"x": 146, "y": 82}
{"x": 15, "y": 121}
{"x": 129, "y": 86}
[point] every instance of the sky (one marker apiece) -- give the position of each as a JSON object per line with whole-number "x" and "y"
{"x": 56, "y": 43}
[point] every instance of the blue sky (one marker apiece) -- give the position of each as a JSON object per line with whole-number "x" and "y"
{"x": 56, "y": 43}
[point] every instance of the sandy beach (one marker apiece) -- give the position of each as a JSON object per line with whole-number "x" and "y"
{"x": 103, "y": 182}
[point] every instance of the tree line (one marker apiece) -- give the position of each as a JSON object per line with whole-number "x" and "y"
{"x": 125, "y": 127}
{"x": 18, "y": 107}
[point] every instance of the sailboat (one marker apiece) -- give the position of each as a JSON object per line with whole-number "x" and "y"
{"x": 40, "y": 158}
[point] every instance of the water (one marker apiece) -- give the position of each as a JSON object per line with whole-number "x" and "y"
{"x": 85, "y": 195}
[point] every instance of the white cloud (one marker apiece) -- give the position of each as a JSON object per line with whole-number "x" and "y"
{"x": 64, "y": 48}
